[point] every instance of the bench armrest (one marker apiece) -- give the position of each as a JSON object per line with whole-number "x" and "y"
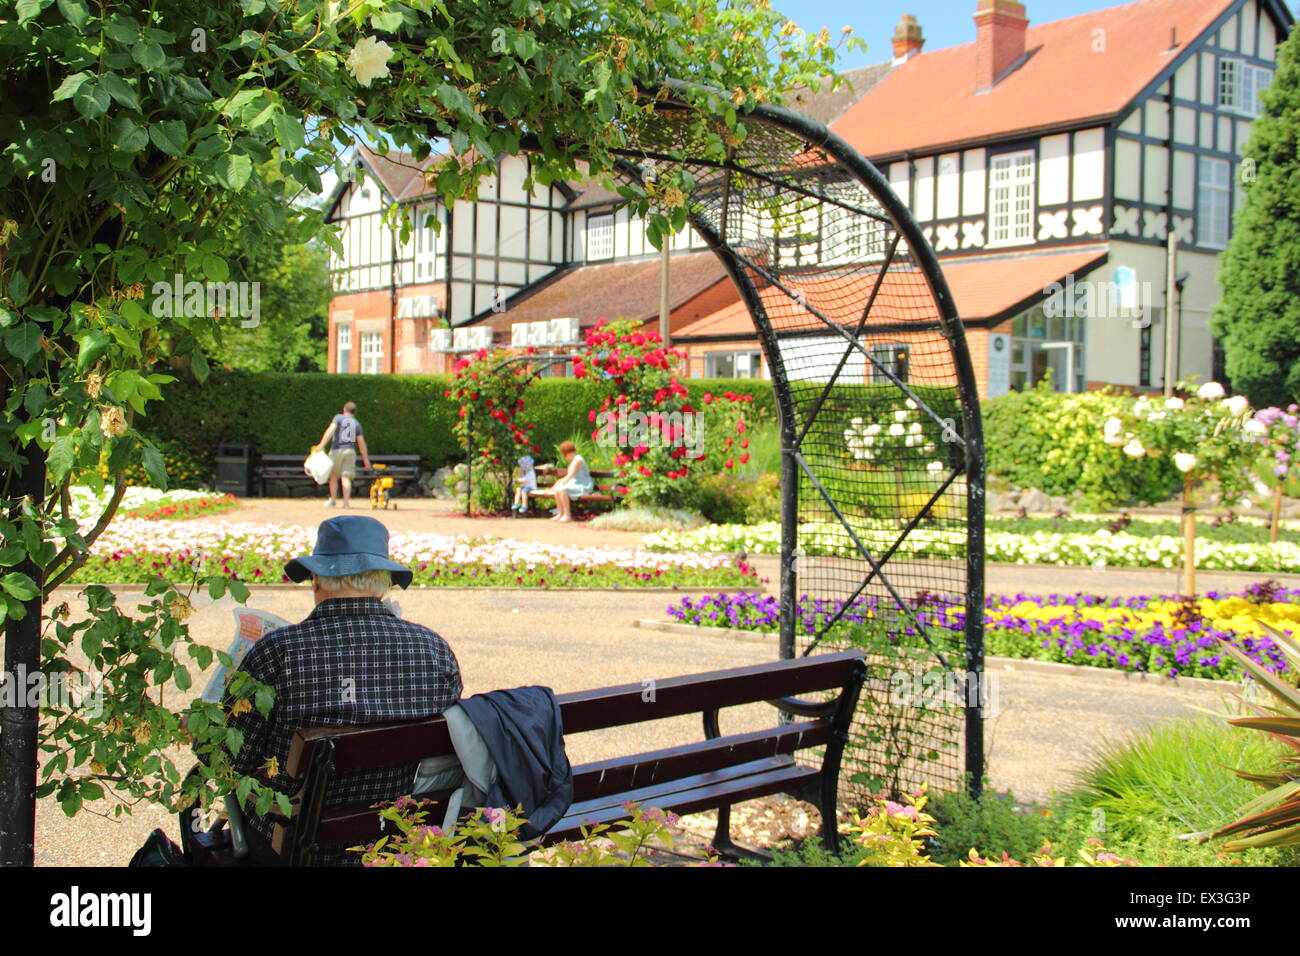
{"x": 806, "y": 708}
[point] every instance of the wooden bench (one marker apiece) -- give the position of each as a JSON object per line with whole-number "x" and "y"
{"x": 602, "y": 483}
{"x": 286, "y": 472}
{"x": 714, "y": 773}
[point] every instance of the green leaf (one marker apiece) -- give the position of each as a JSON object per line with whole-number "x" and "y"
{"x": 91, "y": 100}
{"x": 216, "y": 268}
{"x": 62, "y": 456}
{"x": 18, "y": 286}
{"x": 91, "y": 344}
{"x": 23, "y": 341}
{"x": 68, "y": 88}
{"x": 182, "y": 678}
{"x": 169, "y": 136}
{"x": 20, "y": 586}
{"x": 27, "y": 10}
{"x": 155, "y": 469}
{"x": 232, "y": 170}
{"x": 127, "y": 136}
{"x": 75, "y": 12}
{"x": 289, "y": 132}
{"x": 148, "y": 55}
{"x": 120, "y": 90}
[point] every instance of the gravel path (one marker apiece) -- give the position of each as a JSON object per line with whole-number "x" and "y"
{"x": 577, "y": 640}
{"x": 569, "y": 640}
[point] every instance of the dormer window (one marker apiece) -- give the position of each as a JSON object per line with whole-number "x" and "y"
{"x": 1240, "y": 86}
{"x": 1011, "y": 198}
{"x": 600, "y": 237}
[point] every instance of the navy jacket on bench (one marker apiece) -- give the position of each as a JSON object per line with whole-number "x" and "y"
{"x": 524, "y": 733}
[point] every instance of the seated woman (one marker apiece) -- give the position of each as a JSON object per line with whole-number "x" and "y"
{"x": 574, "y": 483}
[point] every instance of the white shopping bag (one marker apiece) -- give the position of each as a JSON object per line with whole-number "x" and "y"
{"x": 319, "y": 465}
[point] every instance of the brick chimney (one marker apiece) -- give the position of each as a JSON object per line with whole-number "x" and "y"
{"x": 999, "y": 40}
{"x": 907, "y": 38}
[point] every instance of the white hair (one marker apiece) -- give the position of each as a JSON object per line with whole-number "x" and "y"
{"x": 375, "y": 583}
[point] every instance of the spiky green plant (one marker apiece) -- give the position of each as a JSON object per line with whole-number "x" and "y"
{"x": 1272, "y": 818}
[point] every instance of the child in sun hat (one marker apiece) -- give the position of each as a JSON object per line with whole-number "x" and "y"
{"x": 525, "y": 481}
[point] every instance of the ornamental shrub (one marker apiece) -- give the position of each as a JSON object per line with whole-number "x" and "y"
{"x": 1053, "y": 442}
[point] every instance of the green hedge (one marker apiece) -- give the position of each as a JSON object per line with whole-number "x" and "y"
{"x": 1053, "y": 442}
{"x": 402, "y": 414}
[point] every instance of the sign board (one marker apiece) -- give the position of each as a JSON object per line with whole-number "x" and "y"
{"x": 999, "y": 374}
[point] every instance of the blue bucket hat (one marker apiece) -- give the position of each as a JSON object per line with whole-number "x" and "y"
{"x": 348, "y": 544}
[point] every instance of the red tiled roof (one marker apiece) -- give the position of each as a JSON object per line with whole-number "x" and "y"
{"x": 983, "y": 288}
{"x": 930, "y": 101}
{"x": 613, "y": 290}
{"x": 400, "y": 173}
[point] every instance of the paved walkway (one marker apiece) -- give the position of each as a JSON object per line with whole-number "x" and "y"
{"x": 577, "y": 640}
{"x": 569, "y": 640}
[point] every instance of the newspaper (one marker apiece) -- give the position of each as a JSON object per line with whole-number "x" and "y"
{"x": 250, "y": 626}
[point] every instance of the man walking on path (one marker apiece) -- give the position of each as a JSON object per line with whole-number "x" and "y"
{"x": 345, "y": 431}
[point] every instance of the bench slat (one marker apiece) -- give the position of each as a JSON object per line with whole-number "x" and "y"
{"x": 789, "y": 779}
{"x": 612, "y": 780}
{"x": 595, "y": 780}
{"x": 368, "y": 747}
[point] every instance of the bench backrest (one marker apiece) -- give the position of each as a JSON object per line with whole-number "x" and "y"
{"x": 317, "y": 754}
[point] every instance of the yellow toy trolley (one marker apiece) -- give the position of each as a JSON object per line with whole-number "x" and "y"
{"x": 381, "y": 491}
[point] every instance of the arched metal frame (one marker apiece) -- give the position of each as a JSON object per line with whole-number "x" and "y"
{"x": 863, "y": 538}
{"x": 882, "y": 460}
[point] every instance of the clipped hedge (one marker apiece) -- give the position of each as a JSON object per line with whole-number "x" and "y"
{"x": 1053, "y": 442}
{"x": 285, "y": 413}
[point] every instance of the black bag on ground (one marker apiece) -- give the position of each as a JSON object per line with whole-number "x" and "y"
{"x": 158, "y": 850}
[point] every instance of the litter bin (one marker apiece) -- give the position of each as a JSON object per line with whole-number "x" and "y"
{"x": 235, "y": 470}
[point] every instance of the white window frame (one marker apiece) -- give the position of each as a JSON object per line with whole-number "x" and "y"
{"x": 343, "y": 347}
{"x": 1213, "y": 202}
{"x": 600, "y": 237}
{"x": 1240, "y": 85}
{"x": 430, "y": 245}
{"x": 1012, "y": 183}
{"x": 372, "y": 353}
{"x": 887, "y": 354}
{"x": 751, "y": 358}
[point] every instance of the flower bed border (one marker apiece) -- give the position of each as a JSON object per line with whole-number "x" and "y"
{"x": 1002, "y": 663}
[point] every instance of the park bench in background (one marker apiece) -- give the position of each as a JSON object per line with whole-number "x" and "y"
{"x": 712, "y": 774}
{"x": 602, "y": 495}
{"x": 283, "y": 475}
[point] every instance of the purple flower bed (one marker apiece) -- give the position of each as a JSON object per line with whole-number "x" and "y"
{"x": 1135, "y": 637}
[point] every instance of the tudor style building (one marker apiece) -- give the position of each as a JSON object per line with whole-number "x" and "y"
{"x": 1047, "y": 165}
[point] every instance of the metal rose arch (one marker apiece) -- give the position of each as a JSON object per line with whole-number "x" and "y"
{"x": 882, "y": 474}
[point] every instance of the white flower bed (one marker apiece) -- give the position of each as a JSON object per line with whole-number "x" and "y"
{"x": 280, "y": 543}
{"x": 1098, "y": 549}
{"x": 87, "y": 506}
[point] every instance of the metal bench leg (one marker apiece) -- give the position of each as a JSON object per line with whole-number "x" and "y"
{"x": 722, "y": 841}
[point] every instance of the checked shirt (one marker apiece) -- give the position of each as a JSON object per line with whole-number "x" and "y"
{"x": 351, "y": 661}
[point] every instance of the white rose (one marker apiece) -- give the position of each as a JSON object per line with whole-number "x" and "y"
{"x": 369, "y": 60}
{"x": 1141, "y": 408}
{"x": 1238, "y": 405}
{"x": 902, "y": 415}
{"x": 1111, "y": 431}
{"x": 897, "y": 429}
{"x": 1184, "y": 462}
{"x": 1134, "y": 448}
{"x": 915, "y": 428}
{"x": 1211, "y": 391}
{"x": 1174, "y": 403}
{"x": 873, "y": 429}
{"x": 935, "y": 467}
{"x": 1254, "y": 427}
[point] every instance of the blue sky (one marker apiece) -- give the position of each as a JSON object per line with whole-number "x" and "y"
{"x": 944, "y": 22}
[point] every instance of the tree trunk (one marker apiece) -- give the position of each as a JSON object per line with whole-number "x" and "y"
{"x": 18, "y": 723}
{"x": 1189, "y": 542}
{"x": 1277, "y": 511}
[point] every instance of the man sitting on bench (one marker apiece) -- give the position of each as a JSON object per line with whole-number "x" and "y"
{"x": 352, "y": 661}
